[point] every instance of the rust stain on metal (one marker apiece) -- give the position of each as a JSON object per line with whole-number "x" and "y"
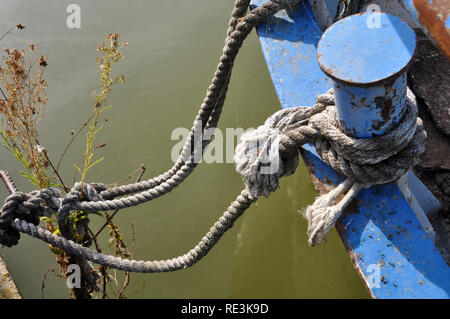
{"x": 318, "y": 185}
{"x": 353, "y": 207}
{"x": 321, "y": 187}
{"x": 433, "y": 16}
{"x": 385, "y": 105}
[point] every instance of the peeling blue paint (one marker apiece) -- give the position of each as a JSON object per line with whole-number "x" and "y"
{"x": 292, "y": 41}
{"x": 370, "y": 93}
{"x": 351, "y": 49}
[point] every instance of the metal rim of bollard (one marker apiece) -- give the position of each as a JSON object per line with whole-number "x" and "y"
{"x": 367, "y": 63}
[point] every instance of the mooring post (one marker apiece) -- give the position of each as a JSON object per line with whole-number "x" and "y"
{"x": 410, "y": 265}
{"x": 366, "y": 55}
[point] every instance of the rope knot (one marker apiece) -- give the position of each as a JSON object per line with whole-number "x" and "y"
{"x": 365, "y": 162}
{"x": 91, "y": 191}
{"x": 27, "y": 207}
{"x": 78, "y": 193}
{"x": 265, "y": 154}
{"x": 258, "y": 159}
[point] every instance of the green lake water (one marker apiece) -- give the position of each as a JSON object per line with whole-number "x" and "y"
{"x": 173, "y": 49}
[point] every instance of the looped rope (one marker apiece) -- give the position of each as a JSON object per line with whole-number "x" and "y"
{"x": 364, "y": 162}
{"x": 27, "y": 207}
{"x": 97, "y": 197}
{"x": 208, "y": 116}
{"x": 263, "y": 156}
{"x": 72, "y": 201}
{"x": 234, "y": 211}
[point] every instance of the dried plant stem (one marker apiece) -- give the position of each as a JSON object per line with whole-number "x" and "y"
{"x": 74, "y": 137}
{"x": 9, "y": 31}
{"x": 67, "y": 189}
{"x": 3, "y": 93}
{"x": 9, "y": 183}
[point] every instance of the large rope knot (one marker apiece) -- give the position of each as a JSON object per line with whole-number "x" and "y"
{"x": 265, "y": 154}
{"x": 28, "y": 207}
{"x": 258, "y": 160}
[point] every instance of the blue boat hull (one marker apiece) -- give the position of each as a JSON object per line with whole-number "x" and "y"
{"x": 389, "y": 248}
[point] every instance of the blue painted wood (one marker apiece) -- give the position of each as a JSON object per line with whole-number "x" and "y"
{"x": 289, "y": 44}
{"x": 381, "y": 232}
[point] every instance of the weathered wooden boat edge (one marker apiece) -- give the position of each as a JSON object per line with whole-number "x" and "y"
{"x": 8, "y": 289}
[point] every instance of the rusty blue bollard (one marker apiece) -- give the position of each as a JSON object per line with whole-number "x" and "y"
{"x": 366, "y": 56}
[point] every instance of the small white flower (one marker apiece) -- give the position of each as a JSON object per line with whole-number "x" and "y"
{"x": 40, "y": 148}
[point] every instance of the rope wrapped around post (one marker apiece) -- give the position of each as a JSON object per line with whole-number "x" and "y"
{"x": 262, "y": 157}
{"x": 271, "y": 151}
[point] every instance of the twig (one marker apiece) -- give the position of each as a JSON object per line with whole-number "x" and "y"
{"x": 125, "y": 285}
{"x": 133, "y": 240}
{"x": 4, "y": 95}
{"x": 102, "y": 268}
{"x": 139, "y": 169}
{"x": 67, "y": 189}
{"x": 54, "y": 169}
{"x": 127, "y": 274}
{"x": 17, "y": 26}
{"x": 52, "y": 269}
{"x": 73, "y": 139}
{"x": 9, "y": 183}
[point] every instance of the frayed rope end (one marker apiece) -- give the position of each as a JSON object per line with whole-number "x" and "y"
{"x": 322, "y": 214}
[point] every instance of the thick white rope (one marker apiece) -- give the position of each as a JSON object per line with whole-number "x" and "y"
{"x": 365, "y": 162}
{"x": 262, "y": 157}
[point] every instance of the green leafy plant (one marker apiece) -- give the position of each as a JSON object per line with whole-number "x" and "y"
{"x": 110, "y": 55}
{"x": 22, "y": 103}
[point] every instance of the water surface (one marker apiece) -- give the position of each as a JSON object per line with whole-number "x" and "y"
{"x": 173, "y": 50}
